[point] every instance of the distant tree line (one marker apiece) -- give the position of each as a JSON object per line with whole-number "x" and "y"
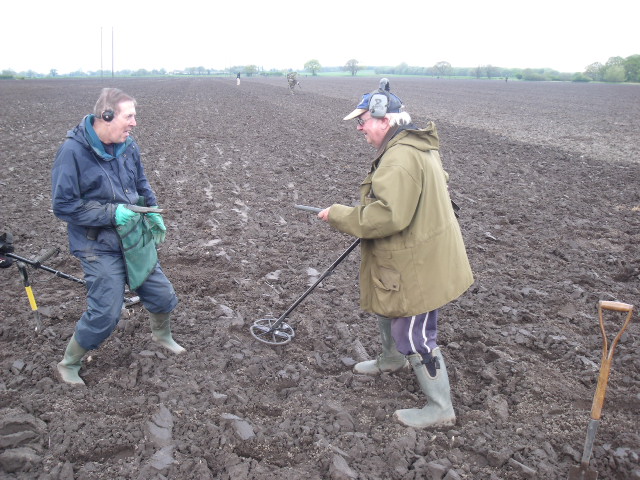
{"x": 616, "y": 69}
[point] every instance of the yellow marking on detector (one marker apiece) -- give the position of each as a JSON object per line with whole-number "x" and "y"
{"x": 32, "y": 299}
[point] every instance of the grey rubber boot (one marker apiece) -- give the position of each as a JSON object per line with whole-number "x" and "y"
{"x": 434, "y": 382}
{"x": 161, "y": 332}
{"x": 70, "y": 365}
{"x": 390, "y": 360}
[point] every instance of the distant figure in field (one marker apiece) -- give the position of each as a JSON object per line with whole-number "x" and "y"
{"x": 292, "y": 79}
{"x": 238, "y": 79}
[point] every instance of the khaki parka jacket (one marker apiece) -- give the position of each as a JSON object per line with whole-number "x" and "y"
{"x": 413, "y": 258}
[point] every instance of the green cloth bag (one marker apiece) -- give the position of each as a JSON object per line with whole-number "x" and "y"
{"x": 139, "y": 250}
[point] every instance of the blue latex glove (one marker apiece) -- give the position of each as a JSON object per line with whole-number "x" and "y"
{"x": 158, "y": 230}
{"x": 123, "y": 214}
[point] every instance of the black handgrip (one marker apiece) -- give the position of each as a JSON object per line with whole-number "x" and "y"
{"x": 52, "y": 252}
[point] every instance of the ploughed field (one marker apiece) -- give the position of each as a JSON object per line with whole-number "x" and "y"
{"x": 547, "y": 176}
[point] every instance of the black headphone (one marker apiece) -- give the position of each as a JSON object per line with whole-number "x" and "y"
{"x": 108, "y": 115}
{"x": 379, "y": 102}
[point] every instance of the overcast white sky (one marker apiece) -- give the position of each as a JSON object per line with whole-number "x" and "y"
{"x": 566, "y": 35}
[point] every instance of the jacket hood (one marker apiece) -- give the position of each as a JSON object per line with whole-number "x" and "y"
{"x": 78, "y": 133}
{"x": 84, "y": 134}
{"x": 423, "y": 139}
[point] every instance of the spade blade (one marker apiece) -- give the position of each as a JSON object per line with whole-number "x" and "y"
{"x": 582, "y": 472}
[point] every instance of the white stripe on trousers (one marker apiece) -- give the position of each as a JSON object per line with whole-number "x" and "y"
{"x": 423, "y": 332}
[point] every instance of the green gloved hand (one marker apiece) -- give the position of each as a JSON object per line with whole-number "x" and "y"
{"x": 158, "y": 230}
{"x": 123, "y": 214}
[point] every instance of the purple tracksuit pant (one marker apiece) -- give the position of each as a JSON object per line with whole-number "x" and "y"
{"x": 416, "y": 334}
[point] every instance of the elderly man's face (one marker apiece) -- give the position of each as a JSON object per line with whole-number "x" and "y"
{"x": 122, "y": 124}
{"x": 374, "y": 129}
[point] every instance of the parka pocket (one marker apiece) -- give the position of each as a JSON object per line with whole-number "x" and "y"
{"x": 366, "y": 192}
{"x": 388, "y": 291}
{"x": 386, "y": 278}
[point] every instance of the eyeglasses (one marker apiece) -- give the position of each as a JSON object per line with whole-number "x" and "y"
{"x": 362, "y": 122}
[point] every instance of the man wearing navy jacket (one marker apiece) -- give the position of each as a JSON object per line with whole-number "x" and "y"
{"x": 98, "y": 172}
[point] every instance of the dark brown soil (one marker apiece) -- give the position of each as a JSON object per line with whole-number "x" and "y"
{"x": 547, "y": 177}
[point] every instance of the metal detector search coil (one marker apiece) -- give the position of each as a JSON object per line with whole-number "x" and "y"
{"x": 277, "y": 332}
{"x": 271, "y": 331}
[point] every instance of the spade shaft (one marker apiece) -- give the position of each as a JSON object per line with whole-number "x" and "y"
{"x": 583, "y": 471}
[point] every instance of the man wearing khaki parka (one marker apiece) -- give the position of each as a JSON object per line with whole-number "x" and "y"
{"x": 413, "y": 258}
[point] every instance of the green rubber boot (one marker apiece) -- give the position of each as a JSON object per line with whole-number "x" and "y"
{"x": 390, "y": 360}
{"x": 70, "y": 365}
{"x": 161, "y": 332}
{"x": 434, "y": 382}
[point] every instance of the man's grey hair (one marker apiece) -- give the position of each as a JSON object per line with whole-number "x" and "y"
{"x": 399, "y": 119}
{"x": 110, "y": 99}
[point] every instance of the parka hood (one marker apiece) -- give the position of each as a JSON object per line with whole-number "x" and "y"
{"x": 423, "y": 139}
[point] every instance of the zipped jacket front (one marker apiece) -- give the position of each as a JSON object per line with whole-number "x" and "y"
{"x": 87, "y": 187}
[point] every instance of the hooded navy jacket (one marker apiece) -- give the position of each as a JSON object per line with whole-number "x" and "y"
{"x": 87, "y": 186}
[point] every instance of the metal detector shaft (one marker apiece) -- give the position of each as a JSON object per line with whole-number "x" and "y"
{"x": 36, "y": 263}
{"x": 139, "y": 209}
{"x": 308, "y": 209}
{"x": 327, "y": 272}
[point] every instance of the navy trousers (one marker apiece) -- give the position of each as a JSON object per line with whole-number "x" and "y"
{"x": 106, "y": 278}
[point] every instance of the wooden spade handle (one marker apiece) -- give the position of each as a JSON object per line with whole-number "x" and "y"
{"x": 617, "y": 306}
{"x": 607, "y": 354}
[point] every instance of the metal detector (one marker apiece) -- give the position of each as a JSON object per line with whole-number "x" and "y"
{"x": 22, "y": 263}
{"x": 6, "y": 251}
{"x": 37, "y": 263}
{"x": 277, "y": 332}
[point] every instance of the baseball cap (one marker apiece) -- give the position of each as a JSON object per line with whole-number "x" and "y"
{"x": 394, "y": 106}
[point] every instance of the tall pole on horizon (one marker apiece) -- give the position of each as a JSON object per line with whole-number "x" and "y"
{"x": 112, "y": 71}
{"x": 101, "y": 47}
